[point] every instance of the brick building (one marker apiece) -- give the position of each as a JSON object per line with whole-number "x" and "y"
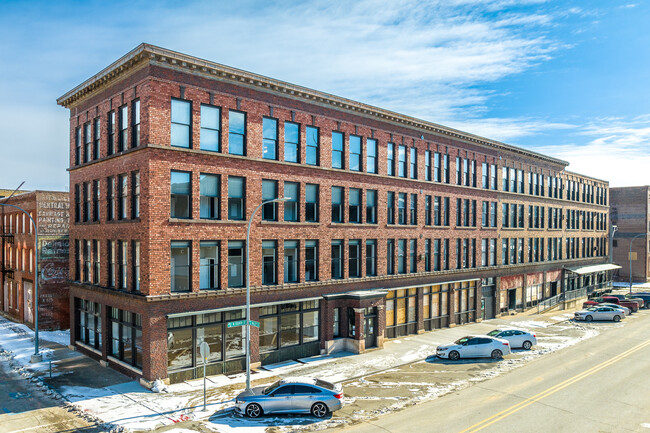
{"x": 392, "y": 225}
{"x": 49, "y": 209}
{"x": 630, "y": 212}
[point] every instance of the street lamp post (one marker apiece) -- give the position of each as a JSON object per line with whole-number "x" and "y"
{"x": 629, "y": 257}
{"x": 36, "y": 357}
{"x": 248, "y": 290}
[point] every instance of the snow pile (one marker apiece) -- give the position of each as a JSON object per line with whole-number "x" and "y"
{"x": 159, "y": 386}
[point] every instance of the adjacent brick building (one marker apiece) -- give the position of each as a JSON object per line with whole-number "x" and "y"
{"x": 392, "y": 225}
{"x": 630, "y": 212}
{"x": 49, "y": 209}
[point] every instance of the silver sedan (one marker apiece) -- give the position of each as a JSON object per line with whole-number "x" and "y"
{"x": 314, "y": 396}
{"x": 516, "y": 337}
{"x": 599, "y": 313}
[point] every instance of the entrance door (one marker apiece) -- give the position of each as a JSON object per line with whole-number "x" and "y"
{"x": 27, "y": 302}
{"x": 369, "y": 326}
{"x": 554, "y": 288}
{"x": 512, "y": 299}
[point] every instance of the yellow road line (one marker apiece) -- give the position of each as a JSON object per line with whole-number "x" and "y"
{"x": 527, "y": 402}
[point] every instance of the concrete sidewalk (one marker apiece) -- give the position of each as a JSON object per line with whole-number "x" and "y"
{"x": 119, "y": 401}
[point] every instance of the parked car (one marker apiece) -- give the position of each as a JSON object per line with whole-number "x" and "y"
{"x": 516, "y": 337}
{"x": 314, "y": 396}
{"x": 618, "y": 307}
{"x": 599, "y": 313}
{"x": 632, "y": 305}
{"x": 622, "y": 297}
{"x": 644, "y": 296}
{"x": 474, "y": 347}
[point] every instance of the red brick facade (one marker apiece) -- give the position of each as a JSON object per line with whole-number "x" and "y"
{"x": 154, "y": 77}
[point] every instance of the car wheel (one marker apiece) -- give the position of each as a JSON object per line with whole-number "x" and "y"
{"x": 454, "y": 356}
{"x": 527, "y": 345}
{"x": 253, "y": 410}
{"x": 617, "y": 318}
{"x": 647, "y": 304}
{"x": 496, "y": 354}
{"x": 588, "y": 318}
{"x": 319, "y": 410}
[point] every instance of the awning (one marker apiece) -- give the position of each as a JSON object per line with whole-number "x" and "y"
{"x": 582, "y": 270}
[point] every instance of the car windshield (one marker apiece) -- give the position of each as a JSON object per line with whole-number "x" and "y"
{"x": 592, "y": 309}
{"x": 494, "y": 333}
{"x": 462, "y": 340}
{"x": 270, "y": 389}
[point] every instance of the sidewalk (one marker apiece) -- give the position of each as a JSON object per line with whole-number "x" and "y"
{"x": 122, "y": 403}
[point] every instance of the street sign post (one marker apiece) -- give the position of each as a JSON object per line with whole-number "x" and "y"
{"x": 204, "y": 348}
{"x": 242, "y": 323}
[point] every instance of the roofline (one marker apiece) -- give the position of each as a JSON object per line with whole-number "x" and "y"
{"x": 585, "y": 176}
{"x": 169, "y": 58}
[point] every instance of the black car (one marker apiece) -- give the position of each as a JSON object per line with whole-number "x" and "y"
{"x": 643, "y": 295}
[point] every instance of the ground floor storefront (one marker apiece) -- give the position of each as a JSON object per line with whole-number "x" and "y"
{"x": 162, "y": 339}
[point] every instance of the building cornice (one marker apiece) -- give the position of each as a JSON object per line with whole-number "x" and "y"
{"x": 146, "y": 53}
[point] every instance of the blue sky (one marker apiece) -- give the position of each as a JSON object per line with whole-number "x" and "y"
{"x": 568, "y": 79}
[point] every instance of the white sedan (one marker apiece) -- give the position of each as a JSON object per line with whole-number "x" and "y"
{"x": 516, "y": 337}
{"x": 599, "y": 313}
{"x": 480, "y": 346}
{"x": 616, "y": 307}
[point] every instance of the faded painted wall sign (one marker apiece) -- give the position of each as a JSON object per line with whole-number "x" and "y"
{"x": 53, "y": 215}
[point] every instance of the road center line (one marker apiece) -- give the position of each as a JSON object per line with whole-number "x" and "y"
{"x": 527, "y": 402}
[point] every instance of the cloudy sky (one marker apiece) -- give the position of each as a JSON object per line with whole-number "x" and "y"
{"x": 566, "y": 78}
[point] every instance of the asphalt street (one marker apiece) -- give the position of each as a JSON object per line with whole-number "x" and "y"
{"x": 598, "y": 385}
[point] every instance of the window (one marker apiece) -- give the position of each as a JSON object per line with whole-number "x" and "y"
{"x": 355, "y": 206}
{"x": 210, "y": 138}
{"x": 269, "y": 265}
{"x": 97, "y": 133}
{"x": 89, "y": 322}
{"x": 337, "y": 149}
{"x": 401, "y": 256}
{"x": 125, "y": 335}
{"x": 111, "y": 263}
{"x": 436, "y": 254}
{"x": 210, "y": 186}
{"x": 135, "y": 123}
{"x": 414, "y": 209}
{"x": 312, "y": 154}
{"x": 413, "y": 162}
{"x": 86, "y": 209}
{"x": 77, "y": 258}
{"x": 427, "y": 165}
{"x": 485, "y": 218}
{"x": 269, "y": 138}
{"x": 290, "y": 261}
{"x": 427, "y": 255}
{"x": 87, "y": 261}
{"x": 485, "y": 176}
{"x": 337, "y": 259}
{"x": 180, "y": 194}
{"x": 390, "y": 158}
{"x": 355, "y": 153}
{"x": 111, "y": 133}
{"x": 493, "y": 177}
{"x": 292, "y": 193}
{"x": 437, "y": 211}
{"x": 123, "y": 134}
{"x": 311, "y": 260}
{"x": 209, "y": 265}
{"x": 401, "y": 208}
{"x": 390, "y": 208}
{"x": 77, "y": 145}
{"x": 236, "y": 194}
{"x": 401, "y": 161}
{"x": 95, "y": 201}
{"x": 371, "y": 206}
{"x": 87, "y": 142}
{"x": 288, "y": 325}
{"x": 504, "y": 177}
{"x": 336, "y": 322}
{"x": 269, "y": 192}
{"x": 412, "y": 256}
{"x": 236, "y": 133}
{"x": 337, "y": 204}
{"x": 136, "y": 265}
{"x": 291, "y": 142}
{"x": 236, "y": 264}
{"x": 445, "y": 168}
{"x": 354, "y": 258}
{"x": 122, "y": 252}
{"x": 390, "y": 256}
{"x": 311, "y": 203}
{"x": 371, "y": 258}
{"x": 371, "y": 155}
{"x": 437, "y": 169}
{"x": 121, "y": 196}
{"x": 135, "y": 195}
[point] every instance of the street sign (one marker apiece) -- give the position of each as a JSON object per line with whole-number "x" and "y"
{"x": 204, "y": 348}
{"x": 242, "y": 323}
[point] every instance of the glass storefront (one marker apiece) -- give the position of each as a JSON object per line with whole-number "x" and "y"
{"x": 401, "y": 312}
{"x": 436, "y": 306}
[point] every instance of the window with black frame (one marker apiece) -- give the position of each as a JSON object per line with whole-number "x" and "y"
{"x": 354, "y": 206}
{"x": 181, "y": 191}
{"x": 311, "y": 260}
{"x": 209, "y": 190}
{"x": 269, "y": 192}
{"x": 209, "y": 265}
{"x": 337, "y": 204}
{"x": 337, "y": 259}
{"x": 290, "y": 261}
{"x": 291, "y": 142}
{"x": 236, "y": 264}
{"x": 269, "y": 263}
{"x": 125, "y": 335}
{"x": 354, "y": 258}
{"x": 181, "y": 123}
{"x": 435, "y": 306}
{"x": 88, "y": 323}
{"x": 291, "y": 207}
{"x": 289, "y": 324}
{"x": 311, "y": 203}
